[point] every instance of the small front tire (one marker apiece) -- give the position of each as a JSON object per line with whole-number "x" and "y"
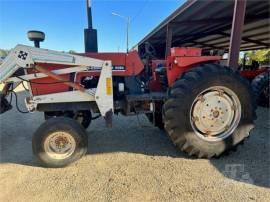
{"x": 59, "y": 141}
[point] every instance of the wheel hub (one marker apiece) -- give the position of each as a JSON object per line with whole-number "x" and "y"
{"x": 59, "y": 145}
{"x": 215, "y": 113}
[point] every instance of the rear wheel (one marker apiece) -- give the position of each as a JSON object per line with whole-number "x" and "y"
{"x": 209, "y": 111}
{"x": 260, "y": 86}
{"x": 59, "y": 142}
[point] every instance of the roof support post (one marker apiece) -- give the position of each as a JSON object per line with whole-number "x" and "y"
{"x": 236, "y": 31}
{"x": 168, "y": 40}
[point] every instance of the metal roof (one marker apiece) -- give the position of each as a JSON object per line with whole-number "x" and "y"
{"x": 207, "y": 24}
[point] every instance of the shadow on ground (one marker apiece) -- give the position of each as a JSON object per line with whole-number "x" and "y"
{"x": 250, "y": 164}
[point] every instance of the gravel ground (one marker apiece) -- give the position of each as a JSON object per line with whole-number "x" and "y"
{"x": 133, "y": 161}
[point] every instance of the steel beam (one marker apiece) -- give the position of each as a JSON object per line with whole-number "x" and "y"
{"x": 255, "y": 48}
{"x": 218, "y": 20}
{"x": 205, "y": 44}
{"x": 236, "y": 31}
{"x": 168, "y": 40}
{"x": 247, "y": 39}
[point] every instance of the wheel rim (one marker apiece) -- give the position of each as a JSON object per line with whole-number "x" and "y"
{"x": 59, "y": 145}
{"x": 215, "y": 113}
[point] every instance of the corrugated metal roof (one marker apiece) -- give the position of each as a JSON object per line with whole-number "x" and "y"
{"x": 207, "y": 24}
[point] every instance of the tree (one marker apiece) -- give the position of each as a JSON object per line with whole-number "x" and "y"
{"x": 261, "y": 56}
{"x": 72, "y": 52}
{"x": 3, "y": 52}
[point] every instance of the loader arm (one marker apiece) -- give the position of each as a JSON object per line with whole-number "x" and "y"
{"x": 26, "y": 57}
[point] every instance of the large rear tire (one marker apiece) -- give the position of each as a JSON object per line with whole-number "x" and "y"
{"x": 59, "y": 141}
{"x": 260, "y": 86}
{"x": 209, "y": 111}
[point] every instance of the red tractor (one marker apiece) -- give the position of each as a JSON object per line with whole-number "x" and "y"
{"x": 206, "y": 108}
{"x": 259, "y": 78}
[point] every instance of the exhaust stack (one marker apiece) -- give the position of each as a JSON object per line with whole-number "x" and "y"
{"x": 90, "y": 34}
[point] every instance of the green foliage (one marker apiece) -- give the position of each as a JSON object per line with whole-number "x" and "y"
{"x": 71, "y": 51}
{"x": 262, "y": 56}
{"x": 3, "y": 52}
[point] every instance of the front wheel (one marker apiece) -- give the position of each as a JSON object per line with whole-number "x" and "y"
{"x": 209, "y": 111}
{"x": 59, "y": 142}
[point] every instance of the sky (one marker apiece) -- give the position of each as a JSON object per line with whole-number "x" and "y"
{"x": 63, "y": 22}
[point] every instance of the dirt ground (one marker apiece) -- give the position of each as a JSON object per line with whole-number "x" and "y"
{"x": 133, "y": 161}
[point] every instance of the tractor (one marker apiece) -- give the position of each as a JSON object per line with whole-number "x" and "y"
{"x": 259, "y": 79}
{"x": 206, "y": 108}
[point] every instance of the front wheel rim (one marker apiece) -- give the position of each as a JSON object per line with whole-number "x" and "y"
{"x": 59, "y": 145}
{"x": 215, "y": 113}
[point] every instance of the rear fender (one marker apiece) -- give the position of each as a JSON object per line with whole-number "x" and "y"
{"x": 176, "y": 66}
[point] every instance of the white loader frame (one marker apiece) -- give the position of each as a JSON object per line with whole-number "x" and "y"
{"x": 29, "y": 57}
